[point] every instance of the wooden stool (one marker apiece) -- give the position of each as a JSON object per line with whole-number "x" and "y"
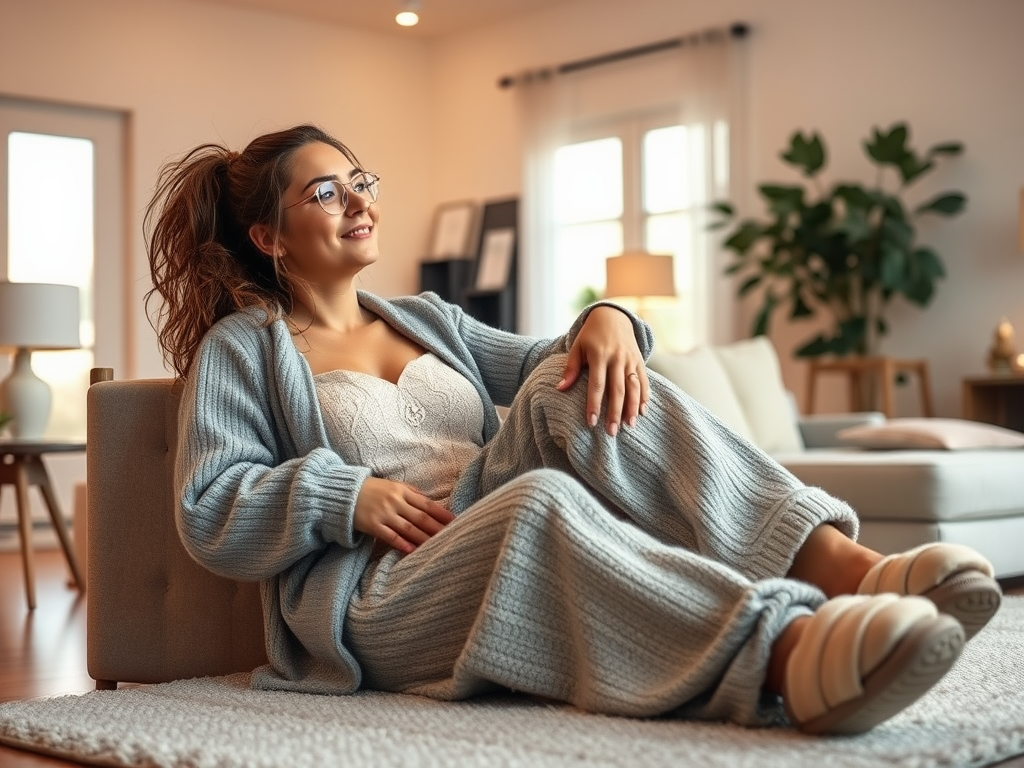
{"x": 884, "y": 369}
{"x": 21, "y": 465}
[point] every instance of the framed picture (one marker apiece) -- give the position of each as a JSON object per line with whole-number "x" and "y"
{"x": 454, "y": 228}
{"x": 496, "y": 250}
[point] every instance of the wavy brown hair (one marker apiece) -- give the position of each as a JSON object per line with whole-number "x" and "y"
{"x": 202, "y": 261}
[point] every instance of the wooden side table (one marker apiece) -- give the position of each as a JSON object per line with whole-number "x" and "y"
{"x": 884, "y": 369}
{"x": 995, "y": 399}
{"x": 21, "y": 465}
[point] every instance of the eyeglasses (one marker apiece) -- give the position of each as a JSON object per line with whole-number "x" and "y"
{"x": 333, "y": 195}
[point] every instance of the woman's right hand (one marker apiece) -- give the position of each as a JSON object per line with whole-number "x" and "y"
{"x": 398, "y": 514}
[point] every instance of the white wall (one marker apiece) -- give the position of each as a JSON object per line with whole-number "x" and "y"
{"x": 948, "y": 67}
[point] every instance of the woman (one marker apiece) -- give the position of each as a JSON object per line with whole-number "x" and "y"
{"x": 611, "y": 544}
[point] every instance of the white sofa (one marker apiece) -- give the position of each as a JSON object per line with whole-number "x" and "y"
{"x": 904, "y": 497}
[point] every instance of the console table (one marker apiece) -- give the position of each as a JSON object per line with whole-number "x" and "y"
{"x": 995, "y": 399}
{"x": 21, "y": 465}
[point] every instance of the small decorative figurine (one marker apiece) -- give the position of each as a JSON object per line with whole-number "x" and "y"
{"x": 1001, "y": 355}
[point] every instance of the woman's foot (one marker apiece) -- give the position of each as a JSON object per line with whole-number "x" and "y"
{"x": 861, "y": 659}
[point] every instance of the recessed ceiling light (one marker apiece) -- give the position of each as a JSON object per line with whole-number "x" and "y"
{"x": 408, "y": 16}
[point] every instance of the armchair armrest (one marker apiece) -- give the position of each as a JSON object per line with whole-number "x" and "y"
{"x": 819, "y": 430}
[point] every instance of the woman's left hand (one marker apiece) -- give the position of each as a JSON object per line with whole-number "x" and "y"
{"x": 606, "y": 345}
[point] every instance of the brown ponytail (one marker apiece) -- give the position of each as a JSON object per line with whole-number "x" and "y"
{"x": 203, "y": 264}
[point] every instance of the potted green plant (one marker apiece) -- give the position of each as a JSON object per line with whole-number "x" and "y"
{"x": 846, "y": 250}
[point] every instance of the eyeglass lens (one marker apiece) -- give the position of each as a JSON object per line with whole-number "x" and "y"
{"x": 333, "y": 195}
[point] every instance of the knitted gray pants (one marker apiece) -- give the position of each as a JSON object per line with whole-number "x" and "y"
{"x": 636, "y": 575}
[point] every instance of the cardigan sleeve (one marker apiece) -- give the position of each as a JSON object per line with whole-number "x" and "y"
{"x": 248, "y": 508}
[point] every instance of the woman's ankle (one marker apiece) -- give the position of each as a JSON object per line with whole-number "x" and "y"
{"x": 782, "y": 649}
{"x": 832, "y": 562}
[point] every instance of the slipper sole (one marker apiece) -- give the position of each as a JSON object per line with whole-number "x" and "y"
{"x": 970, "y": 597}
{"x": 919, "y": 660}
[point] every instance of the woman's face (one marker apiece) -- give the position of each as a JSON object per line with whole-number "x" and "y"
{"x": 315, "y": 244}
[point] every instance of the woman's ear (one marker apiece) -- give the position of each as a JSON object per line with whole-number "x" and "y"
{"x": 264, "y": 238}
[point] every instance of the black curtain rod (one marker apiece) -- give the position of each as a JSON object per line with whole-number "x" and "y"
{"x": 739, "y": 29}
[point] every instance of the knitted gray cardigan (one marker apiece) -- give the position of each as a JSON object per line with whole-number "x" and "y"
{"x": 263, "y": 496}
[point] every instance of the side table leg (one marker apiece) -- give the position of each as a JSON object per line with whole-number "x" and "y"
{"x": 25, "y": 529}
{"x": 926, "y": 389}
{"x": 886, "y": 376}
{"x": 42, "y": 477}
{"x": 812, "y": 382}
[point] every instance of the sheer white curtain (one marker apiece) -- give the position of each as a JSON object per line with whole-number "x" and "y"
{"x": 694, "y": 86}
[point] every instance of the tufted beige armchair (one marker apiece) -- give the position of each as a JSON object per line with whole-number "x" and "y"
{"x": 154, "y": 614}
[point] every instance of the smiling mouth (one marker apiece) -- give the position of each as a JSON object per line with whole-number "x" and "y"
{"x": 362, "y": 231}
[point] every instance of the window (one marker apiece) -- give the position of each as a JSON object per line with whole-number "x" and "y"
{"x": 637, "y": 183}
{"x": 50, "y": 179}
{"x": 61, "y": 204}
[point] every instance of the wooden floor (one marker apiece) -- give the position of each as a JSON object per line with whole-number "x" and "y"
{"x": 42, "y": 652}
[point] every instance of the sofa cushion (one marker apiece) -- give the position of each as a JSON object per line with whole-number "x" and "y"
{"x": 700, "y": 374}
{"x": 948, "y": 434}
{"x": 756, "y": 378}
{"x": 741, "y": 383}
{"x": 922, "y": 485}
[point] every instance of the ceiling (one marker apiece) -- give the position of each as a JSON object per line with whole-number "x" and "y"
{"x": 437, "y": 17}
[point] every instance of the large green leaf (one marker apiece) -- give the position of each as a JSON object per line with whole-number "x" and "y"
{"x": 723, "y": 207}
{"x": 855, "y": 226}
{"x": 927, "y": 263}
{"x": 897, "y": 231}
{"x": 854, "y": 196}
{"x": 782, "y": 200}
{"x": 911, "y": 166}
{"x": 919, "y": 290}
{"x": 807, "y": 153}
{"x": 893, "y": 265}
{"x": 744, "y": 237}
{"x": 888, "y": 148}
{"x": 946, "y": 204}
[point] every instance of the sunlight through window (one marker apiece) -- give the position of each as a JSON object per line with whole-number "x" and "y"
{"x": 51, "y": 240}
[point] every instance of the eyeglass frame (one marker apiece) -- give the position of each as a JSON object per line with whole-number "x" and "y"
{"x": 344, "y": 189}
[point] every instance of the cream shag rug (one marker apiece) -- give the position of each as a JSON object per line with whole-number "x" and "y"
{"x": 974, "y": 717}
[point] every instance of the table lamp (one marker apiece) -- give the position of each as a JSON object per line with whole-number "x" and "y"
{"x": 33, "y": 316}
{"x": 640, "y": 274}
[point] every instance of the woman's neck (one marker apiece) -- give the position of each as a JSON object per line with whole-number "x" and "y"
{"x": 337, "y": 311}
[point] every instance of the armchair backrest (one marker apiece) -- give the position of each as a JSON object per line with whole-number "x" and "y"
{"x": 154, "y": 614}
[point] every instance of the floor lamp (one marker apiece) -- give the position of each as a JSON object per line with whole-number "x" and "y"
{"x": 33, "y": 316}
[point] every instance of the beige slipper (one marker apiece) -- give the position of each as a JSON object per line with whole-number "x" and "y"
{"x": 954, "y": 577}
{"x": 864, "y": 658}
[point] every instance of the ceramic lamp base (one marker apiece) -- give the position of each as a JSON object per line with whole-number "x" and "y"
{"x": 26, "y": 397}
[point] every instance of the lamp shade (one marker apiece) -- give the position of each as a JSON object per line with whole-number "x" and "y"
{"x": 638, "y": 273}
{"x": 38, "y": 316}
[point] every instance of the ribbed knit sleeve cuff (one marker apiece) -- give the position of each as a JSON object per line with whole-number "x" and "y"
{"x": 641, "y": 330}
{"x": 332, "y": 491}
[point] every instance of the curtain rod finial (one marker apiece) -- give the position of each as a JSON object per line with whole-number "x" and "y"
{"x": 739, "y": 29}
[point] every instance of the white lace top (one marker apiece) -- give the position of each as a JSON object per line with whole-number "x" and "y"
{"x": 423, "y": 430}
